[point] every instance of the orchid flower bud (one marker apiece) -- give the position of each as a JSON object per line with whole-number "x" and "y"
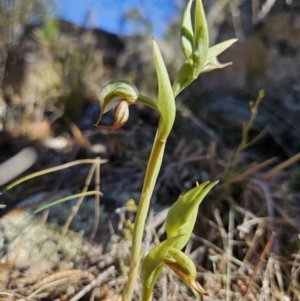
{"x": 187, "y": 33}
{"x": 117, "y": 96}
{"x": 153, "y": 265}
{"x": 195, "y": 45}
{"x": 183, "y": 266}
{"x": 201, "y": 39}
{"x": 121, "y": 115}
{"x": 166, "y": 254}
{"x": 182, "y": 215}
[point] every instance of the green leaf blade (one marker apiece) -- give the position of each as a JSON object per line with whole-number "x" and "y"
{"x": 182, "y": 215}
{"x": 166, "y": 101}
{"x": 154, "y": 263}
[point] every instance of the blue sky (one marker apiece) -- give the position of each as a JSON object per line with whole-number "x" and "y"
{"x": 107, "y": 14}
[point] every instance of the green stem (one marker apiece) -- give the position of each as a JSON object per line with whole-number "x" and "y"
{"x": 147, "y": 294}
{"x": 148, "y": 102}
{"x": 152, "y": 171}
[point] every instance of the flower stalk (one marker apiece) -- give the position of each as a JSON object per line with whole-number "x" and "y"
{"x": 167, "y": 109}
{"x": 118, "y": 96}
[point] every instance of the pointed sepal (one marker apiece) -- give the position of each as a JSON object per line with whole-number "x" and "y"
{"x": 201, "y": 39}
{"x": 187, "y": 33}
{"x": 212, "y": 61}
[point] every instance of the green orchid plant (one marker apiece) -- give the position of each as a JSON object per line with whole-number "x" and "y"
{"x": 118, "y": 96}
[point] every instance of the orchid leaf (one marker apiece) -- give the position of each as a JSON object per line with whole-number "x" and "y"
{"x": 154, "y": 263}
{"x": 166, "y": 101}
{"x": 182, "y": 215}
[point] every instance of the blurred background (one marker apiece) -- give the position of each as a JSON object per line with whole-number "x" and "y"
{"x": 55, "y": 56}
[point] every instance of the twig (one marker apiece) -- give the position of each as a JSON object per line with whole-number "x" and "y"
{"x": 265, "y": 290}
{"x": 6, "y": 296}
{"x": 253, "y": 169}
{"x": 159, "y": 218}
{"x": 217, "y": 249}
{"x": 262, "y": 256}
{"x": 274, "y": 171}
{"x": 245, "y": 226}
{"x": 279, "y": 278}
{"x": 221, "y": 228}
{"x": 295, "y": 271}
{"x": 64, "y": 274}
{"x": 255, "y": 240}
{"x": 94, "y": 283}
{"x": 269, "y": 200}
{"x": 47, "y": 285}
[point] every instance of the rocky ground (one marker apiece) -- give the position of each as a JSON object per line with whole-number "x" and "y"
{"x": 240, "y": 244}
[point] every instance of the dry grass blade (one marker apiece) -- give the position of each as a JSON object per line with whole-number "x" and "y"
{"x": 279, "y": 279}
{"x": 274, "y": 171}
{"x": 94, "y": 283}
{"x": 253, "y": 169}
{"x": 254, "y": 242}
{"x": 53, "y": 283}
{"x": 221, "y": 228}
{"x": 75, "y": 209}
{"x": 4, "y": 296}
{"x": 229, "y": 252}
{"x": 262, "y": 257}
{"x": 52, "y": 169}
{"x": 97, "y": 201}
{"x": 65, "y": 274}
{"x": 80, "y": 200}
{"x": 73, "y": 196}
